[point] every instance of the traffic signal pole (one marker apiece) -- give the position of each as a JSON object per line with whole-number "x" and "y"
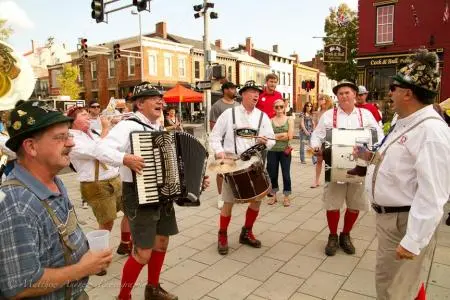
{"x": 207, "y": 51}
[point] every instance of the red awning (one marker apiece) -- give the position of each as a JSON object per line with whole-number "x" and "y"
{"x": 180, "y": 94}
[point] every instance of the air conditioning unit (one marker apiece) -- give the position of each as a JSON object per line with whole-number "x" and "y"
{"x": 219, "y": 71}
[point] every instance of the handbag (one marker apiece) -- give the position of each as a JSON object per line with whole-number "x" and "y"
{"x": 287, "y": 151}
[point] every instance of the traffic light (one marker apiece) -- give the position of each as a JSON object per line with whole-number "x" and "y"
{"x": 98, "y": 10}
{"x": 116, "y": 51}
{"x": 140, "y": 4}
{"x": 84, "y": 48}
{"x": 308, "y": 85}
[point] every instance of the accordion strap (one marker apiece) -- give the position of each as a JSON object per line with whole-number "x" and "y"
{"x": 141, "y": 123}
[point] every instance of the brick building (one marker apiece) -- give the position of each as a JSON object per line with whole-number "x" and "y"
{"x": 389, "y": 30}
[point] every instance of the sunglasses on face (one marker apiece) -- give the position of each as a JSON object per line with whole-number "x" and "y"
{"x": 393, "y": 86}
{"x": 95, "y": 106}
{"x": 278, "y": 106}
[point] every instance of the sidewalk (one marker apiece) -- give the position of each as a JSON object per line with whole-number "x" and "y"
{"x": 290, "y": 265}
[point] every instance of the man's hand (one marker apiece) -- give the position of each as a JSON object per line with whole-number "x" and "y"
{"x": 206, "y": 182}
{"x": 94, "y": 262}
{"x": 106, "y": 123}
{"x": 134, "y": 162}
{"x": 402, "y": 253}
{"x": 362, "y": 153}
{"x": 220, "y": 155}
{"x": 262, "y": 140}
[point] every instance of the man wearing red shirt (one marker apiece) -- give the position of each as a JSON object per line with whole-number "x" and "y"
{"x": 361, "y": 102}
{"x": 268, "y": 97}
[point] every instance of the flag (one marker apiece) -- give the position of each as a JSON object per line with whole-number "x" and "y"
{"x": 446, "y": 16}
{"x": 416, "y": 18}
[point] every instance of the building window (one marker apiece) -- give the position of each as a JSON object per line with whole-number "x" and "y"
{"x": 385, "y": 24}
{"x": 284, "y": 78}
{"x": 152, "y": 65}
{"x": 197, "y": 69}
{"x": 111, "y": 68}
{"x": 230, "y": 73}
{"x": 94, "y": 70}
{"x": 182, "y": 67}
{"x": 289, "y": 79}
{"x": 131, "y": 66}
{"x": 80, "y": 73}
{"x": 167, "y": 66}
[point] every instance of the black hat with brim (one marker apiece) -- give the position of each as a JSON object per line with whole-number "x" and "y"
{"x": 251, "y": 84}
{"x": 345, "y": 83}
{"x": 401, "y": 80}
{"x": 145, "y": 89}
{"x": 29, "y": 118}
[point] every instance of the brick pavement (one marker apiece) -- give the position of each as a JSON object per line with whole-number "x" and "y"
{"x": 290, "y": 265}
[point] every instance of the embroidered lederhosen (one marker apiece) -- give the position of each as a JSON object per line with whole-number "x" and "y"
{"x": 234, "y": 127}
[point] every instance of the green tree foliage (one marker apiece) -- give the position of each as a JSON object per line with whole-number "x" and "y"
{"x": 342, "y": 33}
{"x": 5, "y": 31}
{"x": 68, "y": 81}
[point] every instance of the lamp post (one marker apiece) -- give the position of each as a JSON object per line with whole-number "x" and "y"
{"x": 133, "y": 12}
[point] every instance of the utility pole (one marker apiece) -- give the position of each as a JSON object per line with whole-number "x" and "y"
{"x": 140, "y": 43}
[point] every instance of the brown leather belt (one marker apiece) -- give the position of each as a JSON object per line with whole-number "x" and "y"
{"x": 390, "y": 209}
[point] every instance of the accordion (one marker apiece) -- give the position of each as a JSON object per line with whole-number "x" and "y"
{"x": 175, "y": 164}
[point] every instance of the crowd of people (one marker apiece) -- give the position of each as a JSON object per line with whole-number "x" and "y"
{"x": 403, "y": 178}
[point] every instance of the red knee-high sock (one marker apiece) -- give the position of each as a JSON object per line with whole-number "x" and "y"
{"x": 349, "y": 219}
{"x": 224, "y": 221}
{"x": 333, "y": 220}
{"x": 130, "y": 273}
{"x": 250, "y": 217}
{"x": 422, "y": 294}
{"x": 154, "y": 267}
{"x": 125, "y": 237}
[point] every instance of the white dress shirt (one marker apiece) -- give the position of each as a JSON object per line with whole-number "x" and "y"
{"x": 244, "y": 119}
{"x": 344, "y": 120}
{"x": 96, "y": 124}
{"x": 83, "y": 158}
{"x": 116, "y": 144}
{"x": 415, "y": 172}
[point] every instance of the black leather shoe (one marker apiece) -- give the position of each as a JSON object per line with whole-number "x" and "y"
{"x": 248, "y": 238}
{"x": 124, "y": 248}
{"x": 101, "y": 273}
{"x": 158, "y": 293}
{"x": 332, "y": 245}
{"x": 222, "y": 243}
{"x": 358, "y": 171}
{"x": 346, "y": 243}
{"x": 448, "y": 220}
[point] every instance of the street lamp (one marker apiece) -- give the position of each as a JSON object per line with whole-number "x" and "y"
{"x": 133, "y": 12}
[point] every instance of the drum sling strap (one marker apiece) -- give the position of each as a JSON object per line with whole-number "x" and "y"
{"x": 64, "y": 230}
{"x": 377, "y": 158}
{"x": 234, "y": 126}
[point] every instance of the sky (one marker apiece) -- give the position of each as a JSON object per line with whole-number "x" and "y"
{"x": 291, "y": 24}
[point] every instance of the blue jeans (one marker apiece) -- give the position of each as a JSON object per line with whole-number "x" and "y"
{"x": 302, "y": 138}
{"x": 275, "y": 158}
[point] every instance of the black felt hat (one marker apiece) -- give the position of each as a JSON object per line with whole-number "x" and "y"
{"x": 145, "y": 89}
{"x": 251, "y": 84}
{"x": 345, "y": 83}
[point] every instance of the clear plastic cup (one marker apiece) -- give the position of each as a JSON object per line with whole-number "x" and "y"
{"x": 98, "y": 240}
{"x": 362, "y": 143}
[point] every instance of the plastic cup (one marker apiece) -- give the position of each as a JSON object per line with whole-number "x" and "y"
{"x": 362, "y": 143}
{"x": 98, "y": 240}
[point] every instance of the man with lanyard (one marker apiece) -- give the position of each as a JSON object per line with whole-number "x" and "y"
{"x": 408, "y": 179}
{"x": 100, "y": 184}
{"x": 345, "y": 115}
{"x": 268, "y": 97}
{"x": 150, "y": 226}
{"x": 43, "y": 251}
{"x": 361, "y": 102}
{"x": 227, "y": 101}
{"x": 223, "y": 139}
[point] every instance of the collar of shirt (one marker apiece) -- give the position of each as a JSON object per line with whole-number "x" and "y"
{"x": 144, "y": 119}
{"x": 34, "y": 185}
{"x": 354, "y": 111}
{"x": 246, "y": 112}
{"x": 414, "y": 117}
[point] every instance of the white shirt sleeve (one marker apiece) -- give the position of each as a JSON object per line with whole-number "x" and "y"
{"x": 219, "y": 130}
{"x": 267, "y": 131}
{"x": 4, "y": 149}
{"x": 319, "y": 133}
{"x": 83, "y": 149}
{"x": 433, "y": 177}
{"x": 112, "y": 148}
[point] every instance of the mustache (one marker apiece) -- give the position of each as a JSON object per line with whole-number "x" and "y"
{"x": 66, "y": 151}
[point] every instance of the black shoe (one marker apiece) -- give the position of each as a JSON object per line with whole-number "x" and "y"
{"x": 448, "y": 220}
{"x": 158, "y": 293}
{"x": 101, "y": 273}
{"x": 124, "y": 248}
{"x": 358, "y": 171}
{"x": 346, "y": 243}
{"x": 222, "y": 243}
{"x": 248, "y": 238}
{"x": 332, "y": 245}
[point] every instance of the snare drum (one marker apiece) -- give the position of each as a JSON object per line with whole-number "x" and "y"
{"x": 249, "y": 181}
{"x": 337, "y": 152}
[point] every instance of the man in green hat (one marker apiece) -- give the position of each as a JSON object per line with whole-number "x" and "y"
{"x": 43, "y": 251}
{"x": 408, "y": 179}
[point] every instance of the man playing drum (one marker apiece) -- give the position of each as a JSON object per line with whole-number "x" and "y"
{"x": 347, "y": 116}
{"x": 244, "y": 116}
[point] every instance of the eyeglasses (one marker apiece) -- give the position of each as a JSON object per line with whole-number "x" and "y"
{"x": 95, "y": 106}
{"x": 63, "y": 137}
{"x": 308, "y": 105}
{"x": 278, "y": 106}
{"x": 393, "y": 86}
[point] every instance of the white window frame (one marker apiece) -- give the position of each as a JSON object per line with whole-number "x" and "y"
{"x": 168, "y": 67}
{"x": 182, "y": 66}
{"x": 199, "y": 69}
{"x": 383, "y": 13}
{"x": 152, "y": 66}
{"x": 129, "y": 66}
{"x": 109, "y": 68}
{"x": 94, "y": 66}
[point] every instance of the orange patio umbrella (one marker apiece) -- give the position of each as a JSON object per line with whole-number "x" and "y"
{"x": 181, "y": 94}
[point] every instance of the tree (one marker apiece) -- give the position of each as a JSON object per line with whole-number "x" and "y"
{"x": 341, "y": 27}
{"x": 68, "y": 81}
{"x": 5, "y": 31}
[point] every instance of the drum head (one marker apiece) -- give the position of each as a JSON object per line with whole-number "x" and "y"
{"x": 246, "y": 164}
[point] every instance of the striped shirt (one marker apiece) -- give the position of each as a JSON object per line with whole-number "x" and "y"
{"x": 29, "y": 240}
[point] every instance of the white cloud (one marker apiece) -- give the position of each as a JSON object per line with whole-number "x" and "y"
{"x": 15, "y": 15}
{"x": 353, "y": 4}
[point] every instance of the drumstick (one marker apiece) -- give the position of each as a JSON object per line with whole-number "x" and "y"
{"x": 256, "y": 137}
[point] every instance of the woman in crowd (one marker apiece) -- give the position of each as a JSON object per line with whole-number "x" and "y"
{"x": 325, "y": 103}
{"x": 307, "y": 124}
{"x": 172, "y": 122}
{"x": 283, "y": 127}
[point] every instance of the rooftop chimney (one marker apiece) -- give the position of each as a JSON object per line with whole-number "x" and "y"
{"x": 249, "y": 45}
{"x": 32, "y": 46}
{"x": 275, "y": 48}
{"x": 295, "y": 57}
{"x": 219, "y": 44}
{"x": 161, "y": 30}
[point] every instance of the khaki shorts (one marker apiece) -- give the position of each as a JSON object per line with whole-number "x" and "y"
{"x": 353, "y": 194}
{"x": 105, "y": 198}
